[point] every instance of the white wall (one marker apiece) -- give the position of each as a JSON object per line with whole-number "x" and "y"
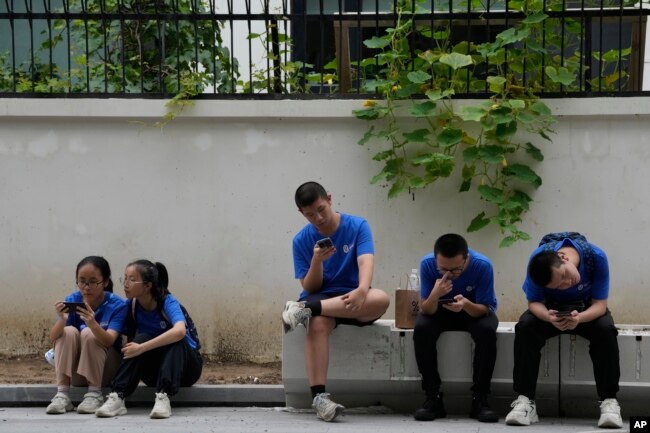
{"x": 211, "y": 196}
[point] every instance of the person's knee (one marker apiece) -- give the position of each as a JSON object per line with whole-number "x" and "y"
{"x": 87, "y": 336}
{"x": 320, "y": 326}
{"x": 378, "y": 300}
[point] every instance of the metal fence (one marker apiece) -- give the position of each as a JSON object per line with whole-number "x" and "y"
{"x": 320, "y": 48}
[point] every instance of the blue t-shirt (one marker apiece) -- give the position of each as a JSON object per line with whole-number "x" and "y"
{"x": 594, "y": 286}
{"x": 111, "y": 314}
{"x": 352, "y": 239}
{"x": 153, "y": 323}
{"x": 476, "y": 283}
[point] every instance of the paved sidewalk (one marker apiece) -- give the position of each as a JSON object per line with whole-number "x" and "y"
{"x": 266, "y": 420}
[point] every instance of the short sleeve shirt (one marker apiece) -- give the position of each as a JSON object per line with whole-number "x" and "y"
{"x": 352, "y": 239}
{"x": 476, "y": 283}
{"x": 153, "y": 323}
{"x": 111, "y": 314}
{"x": 590, "y": 287}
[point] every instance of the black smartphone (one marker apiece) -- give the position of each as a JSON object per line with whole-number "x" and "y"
{"x": 73, "y": 306}
{"x": 324, "y": 243}
{"x": 445, "y": 301}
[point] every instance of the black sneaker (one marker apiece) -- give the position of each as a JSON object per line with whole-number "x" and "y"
{"x": 431, "y": 409}
{"x": 481, "y": 410}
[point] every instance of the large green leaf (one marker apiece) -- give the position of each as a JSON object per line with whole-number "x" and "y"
{"x": 456, "y": 60}
{"x": 535, "y": 18}
{"x": 418, "y": 77}
{"x": 472, "y": 113}
{"x": 423, "y": 109}
{"x": 377, "y": 42}
{"x": 525, "y": 174}
{"x": 367, "y": 136}
{"x": 560, "y": 75}
{"x": 505, "y": 131}
{"x": 370, "y": 113}
{"x": 507, "y": 241}
{"x": 449, "y": 137}
{"x": 380, "y": 156}
{"x": 488, "y": 193}
{"x": 541, "y": 108}
{"x": 496, "y": 84}
{"x": 417, "y": 136}
{"x": 534, "y": 152}
{"x": 478, "y": 222}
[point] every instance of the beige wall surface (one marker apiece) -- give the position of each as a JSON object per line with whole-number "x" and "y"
{"x": 211, "y": 196}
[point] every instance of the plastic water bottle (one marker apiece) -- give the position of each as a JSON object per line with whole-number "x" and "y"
{"x": 414, "y": 280}
{"x": 49, "y": 357}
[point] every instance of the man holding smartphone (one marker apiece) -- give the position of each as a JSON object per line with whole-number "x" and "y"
{"x": 457, "y": 291}
{"x": 567, "y": 286}
{"x": 333, "y": 258}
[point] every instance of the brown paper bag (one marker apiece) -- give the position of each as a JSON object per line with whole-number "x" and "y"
{"x": 407, "y": 306}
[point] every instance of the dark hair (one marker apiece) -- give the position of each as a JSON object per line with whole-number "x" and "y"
{"x": 450, "y": 245}
{"x": 156, "y": 274}
{"x": 101, "y": 264}
{"x": 308, "y": 193}
{"x": 540, "y": 267}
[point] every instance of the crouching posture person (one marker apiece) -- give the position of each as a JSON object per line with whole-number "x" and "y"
{"x": 567, "y": 287}
{"x": 334, "y": 260}
{"x": 163, "y": 352}
{"x": 86, "y": 343}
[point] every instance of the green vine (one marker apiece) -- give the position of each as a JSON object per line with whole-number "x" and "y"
{"x": 423, "y": 140}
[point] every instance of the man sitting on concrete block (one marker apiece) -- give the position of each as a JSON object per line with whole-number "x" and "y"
{"x": 333, "y": 258}
{"x": 457, "y": 294}
{"x": 567, "y": 286}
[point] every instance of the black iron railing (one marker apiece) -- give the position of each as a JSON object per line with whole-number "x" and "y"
{"x": 314, "y": 48}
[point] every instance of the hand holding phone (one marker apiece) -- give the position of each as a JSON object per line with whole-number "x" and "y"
{"x": 445, "y": 301}
{"x": 73, "y": 306}
{"x": 325, "y": 243}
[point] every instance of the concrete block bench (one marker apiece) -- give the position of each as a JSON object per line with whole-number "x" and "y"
{"x": 376, "y": 365}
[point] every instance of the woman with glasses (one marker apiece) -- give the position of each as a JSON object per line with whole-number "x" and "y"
{"x": 85, "y": 335}
{"x": 163, "y": 352}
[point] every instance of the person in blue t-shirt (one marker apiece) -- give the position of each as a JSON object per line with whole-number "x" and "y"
{"x": 162, "y": 353}
{"x": 335, "y": 275}
{"x": 565, "y": 295}
{"x": 457, "y": 294}
{"x": 86, "y": 337}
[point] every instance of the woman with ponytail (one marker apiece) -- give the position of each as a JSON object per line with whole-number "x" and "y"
{"x": 85, "y": 335}
{"x": 162, "y": 352}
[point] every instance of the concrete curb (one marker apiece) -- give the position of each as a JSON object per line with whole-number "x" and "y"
{"x": 199, "y": 395}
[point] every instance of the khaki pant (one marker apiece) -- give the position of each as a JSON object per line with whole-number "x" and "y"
{"x": 80, "y": 360}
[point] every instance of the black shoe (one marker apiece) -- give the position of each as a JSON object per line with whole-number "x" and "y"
{"x": 431, "y": 409}
{"x": 481, "y": 410}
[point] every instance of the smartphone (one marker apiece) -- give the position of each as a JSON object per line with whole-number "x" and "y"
{"x": 73, "y": 306}
{"x": 324, "y": 243}
{"x": 563, "y": 313}
{"x": 445, "y": 301}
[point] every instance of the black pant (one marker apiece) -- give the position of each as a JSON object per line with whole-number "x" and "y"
{"x": 531, "y": 334}
{"x": 167, "y": 368}
{"x": 484, "y": 333}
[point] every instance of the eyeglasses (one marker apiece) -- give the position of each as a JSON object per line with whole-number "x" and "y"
{"x": 126, "y": 282}
{"x": 456, "y": 270}
{"x": 90, "y": 284}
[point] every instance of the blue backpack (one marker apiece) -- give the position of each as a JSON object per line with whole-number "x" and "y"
{"x": 550, "y": 240}
{"x": 189, "y": 323}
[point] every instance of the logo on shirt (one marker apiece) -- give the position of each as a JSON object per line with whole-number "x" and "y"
{"x": 163, "y": 324}
{"x": 346, "y": 248}
{"x": 469, "y": 288}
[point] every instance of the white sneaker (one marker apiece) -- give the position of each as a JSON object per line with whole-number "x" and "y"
{"x": 523, "y": 412}
{"x": 113, "y": 406}
{"x": 326, "y": 409}
{"x": 610, "y": 414}
{"x": 60, "y": 404}
{"x": 162, "y": 408}
{"x": 49, "y": 357}
{"x": 295, "y": 314}
{"x": 91, "y": 402}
